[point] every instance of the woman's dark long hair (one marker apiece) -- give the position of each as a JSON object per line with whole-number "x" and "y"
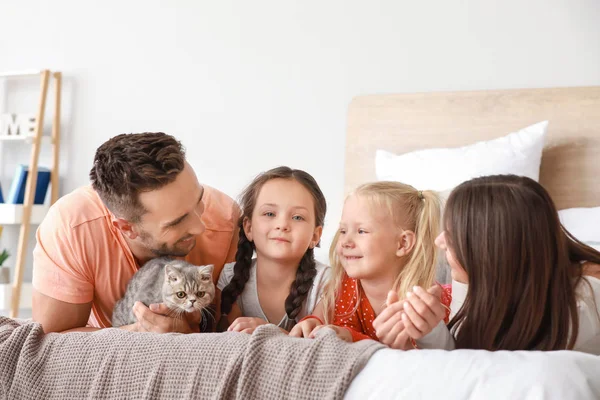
{"x": 306, "y": 271}
{"x": 523, "y": 266}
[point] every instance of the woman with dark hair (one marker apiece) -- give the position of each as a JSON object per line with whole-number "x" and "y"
{"x": 521, "y": 281}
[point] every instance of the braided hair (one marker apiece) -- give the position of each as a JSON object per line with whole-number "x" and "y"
{"x": 241, "y": 274}
{"x": 306, "y": 271}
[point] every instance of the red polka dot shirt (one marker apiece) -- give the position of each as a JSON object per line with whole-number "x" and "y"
{"x": 359, "y": 320}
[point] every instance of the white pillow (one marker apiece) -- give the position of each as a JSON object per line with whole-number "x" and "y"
{"x": 583, "y": 223}
{"x": 442, "y": 169}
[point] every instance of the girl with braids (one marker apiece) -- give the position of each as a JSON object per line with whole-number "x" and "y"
{"x": 383, "y": 252}
{"x": 283, "y": 211}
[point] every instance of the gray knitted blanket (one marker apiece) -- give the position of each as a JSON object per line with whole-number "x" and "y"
{"x": 114, "y": 364}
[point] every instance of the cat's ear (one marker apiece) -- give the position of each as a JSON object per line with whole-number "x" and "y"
{"x": 206, "y": 272}
{"x": 126, "y": 227}
{"x": 171, "y": 273}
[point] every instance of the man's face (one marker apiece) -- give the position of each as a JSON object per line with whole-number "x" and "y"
{"x": 173, "y": 216}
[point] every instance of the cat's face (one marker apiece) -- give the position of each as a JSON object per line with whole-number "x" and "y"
{"x": 188, "y": 287}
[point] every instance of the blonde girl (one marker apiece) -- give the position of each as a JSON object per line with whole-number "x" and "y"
{"x": 382, "y": 255}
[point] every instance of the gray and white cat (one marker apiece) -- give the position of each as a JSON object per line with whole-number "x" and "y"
{"x": 181, "y": 286}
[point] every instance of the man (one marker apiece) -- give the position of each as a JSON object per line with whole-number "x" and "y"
{"x": 144, "y": 201}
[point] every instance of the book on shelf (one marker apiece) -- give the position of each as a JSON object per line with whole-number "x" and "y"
{"x": 16, "y": 195}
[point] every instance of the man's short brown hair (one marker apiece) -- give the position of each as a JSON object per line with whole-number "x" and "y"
{"x": 129, "y": 164}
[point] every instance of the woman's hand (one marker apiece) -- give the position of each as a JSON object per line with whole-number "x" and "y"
{"x": 423, "y": 311}
{"x": 389, "y": 327}
{"x": 246, "y": 324}
{"x": 402, "y": 322}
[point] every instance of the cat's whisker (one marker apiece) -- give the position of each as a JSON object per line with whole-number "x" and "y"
{"x": 175, "y": 313}
{"x": 177, "y": 316}
{"x": 170, "y": 313}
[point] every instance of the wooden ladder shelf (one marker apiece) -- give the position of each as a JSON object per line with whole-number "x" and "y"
{"x": 33, "y": 171}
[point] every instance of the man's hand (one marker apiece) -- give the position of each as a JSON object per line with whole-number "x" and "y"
{"x": 246, "y": 324}
{"x": 158, "y": 318}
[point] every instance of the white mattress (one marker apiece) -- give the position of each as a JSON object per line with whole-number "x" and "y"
{"x": 478, "y": 374}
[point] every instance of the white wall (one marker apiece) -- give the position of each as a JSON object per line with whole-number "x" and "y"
{"x": 248, "y": 85}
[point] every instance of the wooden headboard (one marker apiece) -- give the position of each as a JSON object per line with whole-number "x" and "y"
{"x": 401, "y": 123}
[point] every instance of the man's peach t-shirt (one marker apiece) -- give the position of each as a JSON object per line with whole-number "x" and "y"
{"x": 80, "y": 257}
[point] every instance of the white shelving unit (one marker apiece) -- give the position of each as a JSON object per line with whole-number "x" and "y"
{"x": 6, "y": 295}
{"x": 25, "y": 138}
{"x": 12, "y": 214}
{"x": 28, "y": 214}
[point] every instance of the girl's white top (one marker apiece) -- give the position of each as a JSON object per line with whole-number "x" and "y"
{"x": 250, "y": 305}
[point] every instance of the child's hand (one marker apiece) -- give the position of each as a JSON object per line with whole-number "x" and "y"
{"x": 412, "y": 318}
{"x": 423, "y": 310}
{"x": 341, "y": 332}
{"x": 304, "y": 328}
{"x": 389, "y": 327}
{"x": 246, "y": 324}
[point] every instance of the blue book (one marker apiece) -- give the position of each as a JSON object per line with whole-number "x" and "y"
{"x": 16, "y": 194}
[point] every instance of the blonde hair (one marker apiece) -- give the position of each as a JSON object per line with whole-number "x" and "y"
{"x": 410, "y": 209}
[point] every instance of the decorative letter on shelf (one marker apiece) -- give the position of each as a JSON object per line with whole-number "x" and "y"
{"x": 17, "y": 124}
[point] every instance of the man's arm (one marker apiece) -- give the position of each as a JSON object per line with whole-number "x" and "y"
{"x": 58, "y": 316}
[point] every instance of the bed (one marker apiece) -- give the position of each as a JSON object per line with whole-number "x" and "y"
{"x": 117, "y": 364}
{"x": 568, "y": 168}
